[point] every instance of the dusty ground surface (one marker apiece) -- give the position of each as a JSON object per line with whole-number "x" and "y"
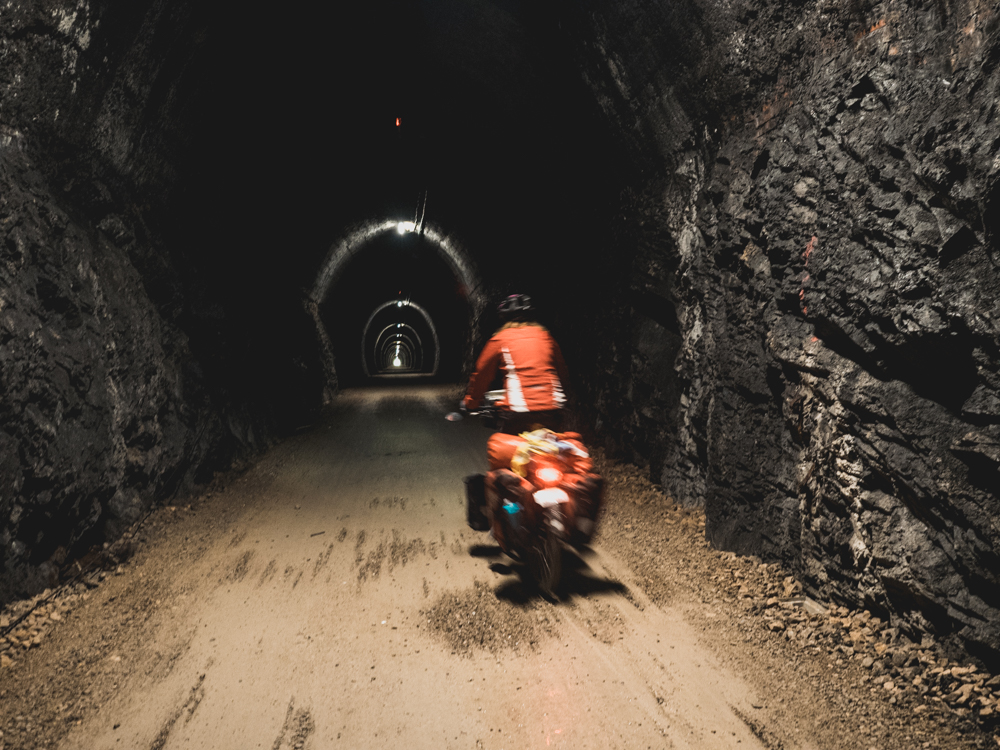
{"x": 332, "y": 596}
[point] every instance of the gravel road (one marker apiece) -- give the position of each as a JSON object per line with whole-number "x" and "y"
{"x": 331, "y": 595}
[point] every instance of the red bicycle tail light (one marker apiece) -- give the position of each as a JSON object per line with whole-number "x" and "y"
{"x": 548, "y": 475}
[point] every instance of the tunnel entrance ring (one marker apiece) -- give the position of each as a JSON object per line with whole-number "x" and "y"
{"x": 401, "y": 304}
{"x": 354, "y": 242}
{"x": 406, "y": 352}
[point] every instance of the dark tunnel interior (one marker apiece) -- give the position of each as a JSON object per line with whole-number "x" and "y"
{"x": 764, "y": 235}
{"x": 398, "y": 270}
{"x": 387, "y": 110}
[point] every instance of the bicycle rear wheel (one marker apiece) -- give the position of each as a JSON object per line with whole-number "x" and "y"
{"x": 546, "y": 556}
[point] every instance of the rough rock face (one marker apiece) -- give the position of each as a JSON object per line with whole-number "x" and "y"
{"x": 815, "y": 313}
{"x": 102, "y": 407}
{"x": 101, "y": 412}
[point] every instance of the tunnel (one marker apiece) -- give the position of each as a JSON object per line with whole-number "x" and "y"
{"x": 400, "y": 287}
{"x": 763, "y": 234}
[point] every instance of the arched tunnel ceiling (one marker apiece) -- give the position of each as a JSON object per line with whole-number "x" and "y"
{"x": 299, "y": 142}
{"x": 418, "y": 268}
{"x": 356, "y": 241}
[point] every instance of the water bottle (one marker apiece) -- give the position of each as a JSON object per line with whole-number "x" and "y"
{"x": 513, "y": 511}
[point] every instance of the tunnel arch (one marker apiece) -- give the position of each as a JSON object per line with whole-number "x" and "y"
{"x": 427, "y": 319}
{"x": 405, "y": 334}
{"x": 355, "y": 241}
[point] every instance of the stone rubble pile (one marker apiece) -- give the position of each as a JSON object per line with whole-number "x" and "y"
{"x": 25, "y": 623}
{"x": 902, "y": 671}
{"x": 43, "y": 613}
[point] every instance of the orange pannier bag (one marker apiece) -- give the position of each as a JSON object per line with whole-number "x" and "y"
{"x": 501, "y": 449}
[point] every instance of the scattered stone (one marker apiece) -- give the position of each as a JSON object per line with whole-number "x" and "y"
{"x": 790, "y": 587}
{"x": 961, "y": 696}
{"x": 905, "y": 670}
{"x": 477, "y": 620}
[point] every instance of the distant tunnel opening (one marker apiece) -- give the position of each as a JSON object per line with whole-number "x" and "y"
{"x": 397, "y": 304}
{"x": 400, "y": 339}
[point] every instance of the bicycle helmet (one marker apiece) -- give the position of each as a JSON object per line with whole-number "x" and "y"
{"x": 515, "y": 307}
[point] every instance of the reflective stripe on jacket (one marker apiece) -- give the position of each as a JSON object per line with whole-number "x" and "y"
{"x": 533, "y": 367}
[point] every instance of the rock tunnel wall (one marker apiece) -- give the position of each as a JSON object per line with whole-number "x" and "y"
{"x": 103, "y": 409}
{"x": 811, "y": 343}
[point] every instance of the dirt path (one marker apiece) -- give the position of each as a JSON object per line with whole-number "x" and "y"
{"x": 332, "y": 596}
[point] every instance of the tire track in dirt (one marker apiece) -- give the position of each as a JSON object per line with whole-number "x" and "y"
{"x": 392, "y": 551}
{"x": 761, "y": 732}
{"x": 268, "y": 573}
{"x": 402, "y": 551}
{"x": 371, "y": 568}
{"x": 389, "y": 502}
{"x": 194, "y": 699}
{"x": 240, "y": 568}
{"x": 322, "y": 560}
{"x": 295, "y": 730}
{"x": 359, "y": 555}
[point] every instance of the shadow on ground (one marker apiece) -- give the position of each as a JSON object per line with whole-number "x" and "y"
{"x": 575, "y": 579}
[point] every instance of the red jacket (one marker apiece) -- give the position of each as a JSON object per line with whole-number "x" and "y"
{"x": 534, "y": 367}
